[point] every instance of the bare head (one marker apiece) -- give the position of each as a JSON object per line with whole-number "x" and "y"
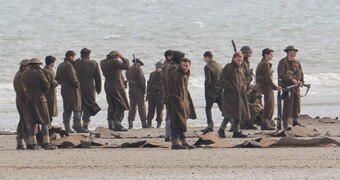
{"x": 207, "y": 56}
{"x": 238, "y": 58}
{"x": 185, "y": 64}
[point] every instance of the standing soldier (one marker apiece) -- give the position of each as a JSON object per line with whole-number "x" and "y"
{"x": 290, "y": 73}
{"x": 235, "y": 86}
{"x": 90, "y": 82}
{"x": 167, "y": 62}
{"x": 213, "y": 90}
{"x": 114, "y": 87}
{"x": 70, "y": 91}
{"x": 155, "y": 96}
{"x": 247, "y": 53}
{"x": 180, "y": 103}
{"x": 36, "y": 86}
{"x": 51, "y": 94}
{"x": 22, "y": 129}
{"x": 137, "y": 90}
{"x": 264, "y": 77}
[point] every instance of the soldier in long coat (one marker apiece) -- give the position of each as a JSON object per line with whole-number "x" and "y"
{"x": 290, "y": 73}
{"x": 51, "y": 94}
{"x": 70, "y": 91}
{"x": 112, "y": 68}
{"x": 36, "y": 86}
{"x": 19, "y": 88}
{"x": 180, "y": 103}
{"x": 137, "y": 90}
{"x": 235, "y": 86}
{"x": 155, "y": 96}
{"x": 264, "y": 78}
{"x": 89, "y": 77}
{"x": 167, "y": 62}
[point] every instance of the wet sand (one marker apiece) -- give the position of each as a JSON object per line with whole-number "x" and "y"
{"x": 240, "y": 163}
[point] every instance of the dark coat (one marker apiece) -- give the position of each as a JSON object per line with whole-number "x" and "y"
{"x": 114, "y": 80}
{"x": 164, "y": 79}
{"x": 70, "y": 88}
{"x": 289, "y": 70}
{"x": 136, "y": 80}
{"x": 212, "y": 73}
{"x": 89, "y": 77}
{"x": 51, "y": 94}
{"x": 36, "y": 86}
{"x": 180, "y": 103}
{"x": 264, "y": 77}
{"x": 155, "y": 84}
{"x": 234, "y": 83}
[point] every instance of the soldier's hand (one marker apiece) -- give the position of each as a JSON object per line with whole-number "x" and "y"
{"x": 278, "y": 88}
{"x": 295, "y": 82}
{"x": 120, "y": 56}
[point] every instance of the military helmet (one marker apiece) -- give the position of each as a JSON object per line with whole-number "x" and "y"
{"x": 24, "y": 62}
{"x": 138, "y": 61}
{"x": 245, "y": 49}
{"x": 159, "y": 64}
{"x": 113, "y": 53}
{"x": 34, "y": 61}
{"x": 289, "y": 48}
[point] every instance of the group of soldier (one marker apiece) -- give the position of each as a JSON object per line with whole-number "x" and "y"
{"x": 231, "y": 88}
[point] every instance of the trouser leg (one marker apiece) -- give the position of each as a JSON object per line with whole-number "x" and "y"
{"x": 45, "y": 133}
{"x": 86, "y": 118}
{"x": 287, "y": 109}
{"x": 151, "y": 109}
{"x": 132, "y": 111}
{"x": 141, "y": 108}
{"x": 167, "y": 123}
{"x": 209, "y": 103}
{"x": 66, "y": 120}
{"x": 160, "y": 107}
{"x": 32, "y": 138}
{"x": 110, "y": 110}
{"x": 118, "y": 115}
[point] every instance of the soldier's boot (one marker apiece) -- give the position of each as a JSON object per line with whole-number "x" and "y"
{"x": 285, "y": 123}
{"x": 159, "y": 123}
{"x": 175, "y": 144}
{"x": 110, "y": 124}
{"x": 68, "y": 127}
{"x": 32, "y": 143}
{"x": 186, "y": 144}
{"x": 118, "y": 126}
{"x": 49, "y": 146}
{"x": 237, "y": 133}
{"x": 149, "y": 122}
{"x": 77, "y": 126}
{"x": 210, "y": 128}
{"x": 20, "y": 144}
{"x": 221, "y": 133}
{"x": 265, "y": 126}
{"x": 131, "y": 124}
{"x": 86, "y": 124}
{"x": 145, "y": 125}
{"x": 296, "y": 122}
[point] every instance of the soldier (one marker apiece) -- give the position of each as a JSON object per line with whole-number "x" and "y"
{"x": 247, "y": 53}
{"x": 290, "y": 73}
{"x": 51, "y": 94}
{"x": 137, "y": 90}
{"x": 90, "y": 81}
{"x": 112, "y": 68}
{"x": 264, "y": 77}
{"x": 213, "y": 90}
{"x": 235, "y": 86}
{"x": 155, "y": 96}
{"x": 22, "y": 128}
{"x": 180, "y": 103}
{"x": 70, "y": 91}
{"x": 167, "y": 62}
{"x": 36, "y": 86}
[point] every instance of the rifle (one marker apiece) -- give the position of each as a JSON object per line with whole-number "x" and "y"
{"x": 137, "y": 73}
{"x": 234, "y": 46}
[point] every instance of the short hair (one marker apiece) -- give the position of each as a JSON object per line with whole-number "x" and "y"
{"x": 168, "y": 53}
{"x": 266, "y": 51}
{"x": 238, "y": 54}
{"x": 70, "y": 53}
{"x": 208, "y": 54}
{"x": 177, "y": 56}
{"x": 185, "y": 60}
{"x": 49, "y": 60}
{"x": 85, "y": 52}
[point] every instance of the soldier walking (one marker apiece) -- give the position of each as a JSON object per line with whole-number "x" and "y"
{"x": 70, "y": 91}
{"x": 137, "y": 90}
{"x": 90, "y": 81}
{"x": 155, "y": 96}
{"x": 112, "y": 68}
{"x": 264, "y": 78}
{"x": 290, "y": 73}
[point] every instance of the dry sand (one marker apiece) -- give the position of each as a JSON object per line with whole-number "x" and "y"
{"x": 240, "y": 163}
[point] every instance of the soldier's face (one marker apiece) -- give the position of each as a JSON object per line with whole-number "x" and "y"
{"x": 269, "y": 56}
{"x": 206, "y": 59}
{"x": 158, "y": 69}
{"x": 248, "y": 54}
{"x": 238, "y": 60}
{"x": 52, "y": 65}
{"x": 185, "y": 66}
{"x": 292, "y": 53}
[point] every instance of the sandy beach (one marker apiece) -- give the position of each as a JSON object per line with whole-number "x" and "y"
{"x": 163, "y": 163}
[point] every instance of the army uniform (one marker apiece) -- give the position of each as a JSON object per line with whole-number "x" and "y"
{"x": 89, "y": 77}
{"x": 70, "y": 92}
{"x": 213, "y": 90}
{"x": 264, "y": 77}
{"x": 288, "y": 70}
{"x": 115, "y": 90}
{"x": 22, "y": 128}
{"x": 137, "y": 91}
{"x": 180, "y": 104}
{"x": 235, "y": 104}
{"x": 51, "y": 94}
{"x": 36, "y": 86}
{"x": 165, "y": 98}
{"x": 255, "y": 106}
{"x": 155, "y": 97}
